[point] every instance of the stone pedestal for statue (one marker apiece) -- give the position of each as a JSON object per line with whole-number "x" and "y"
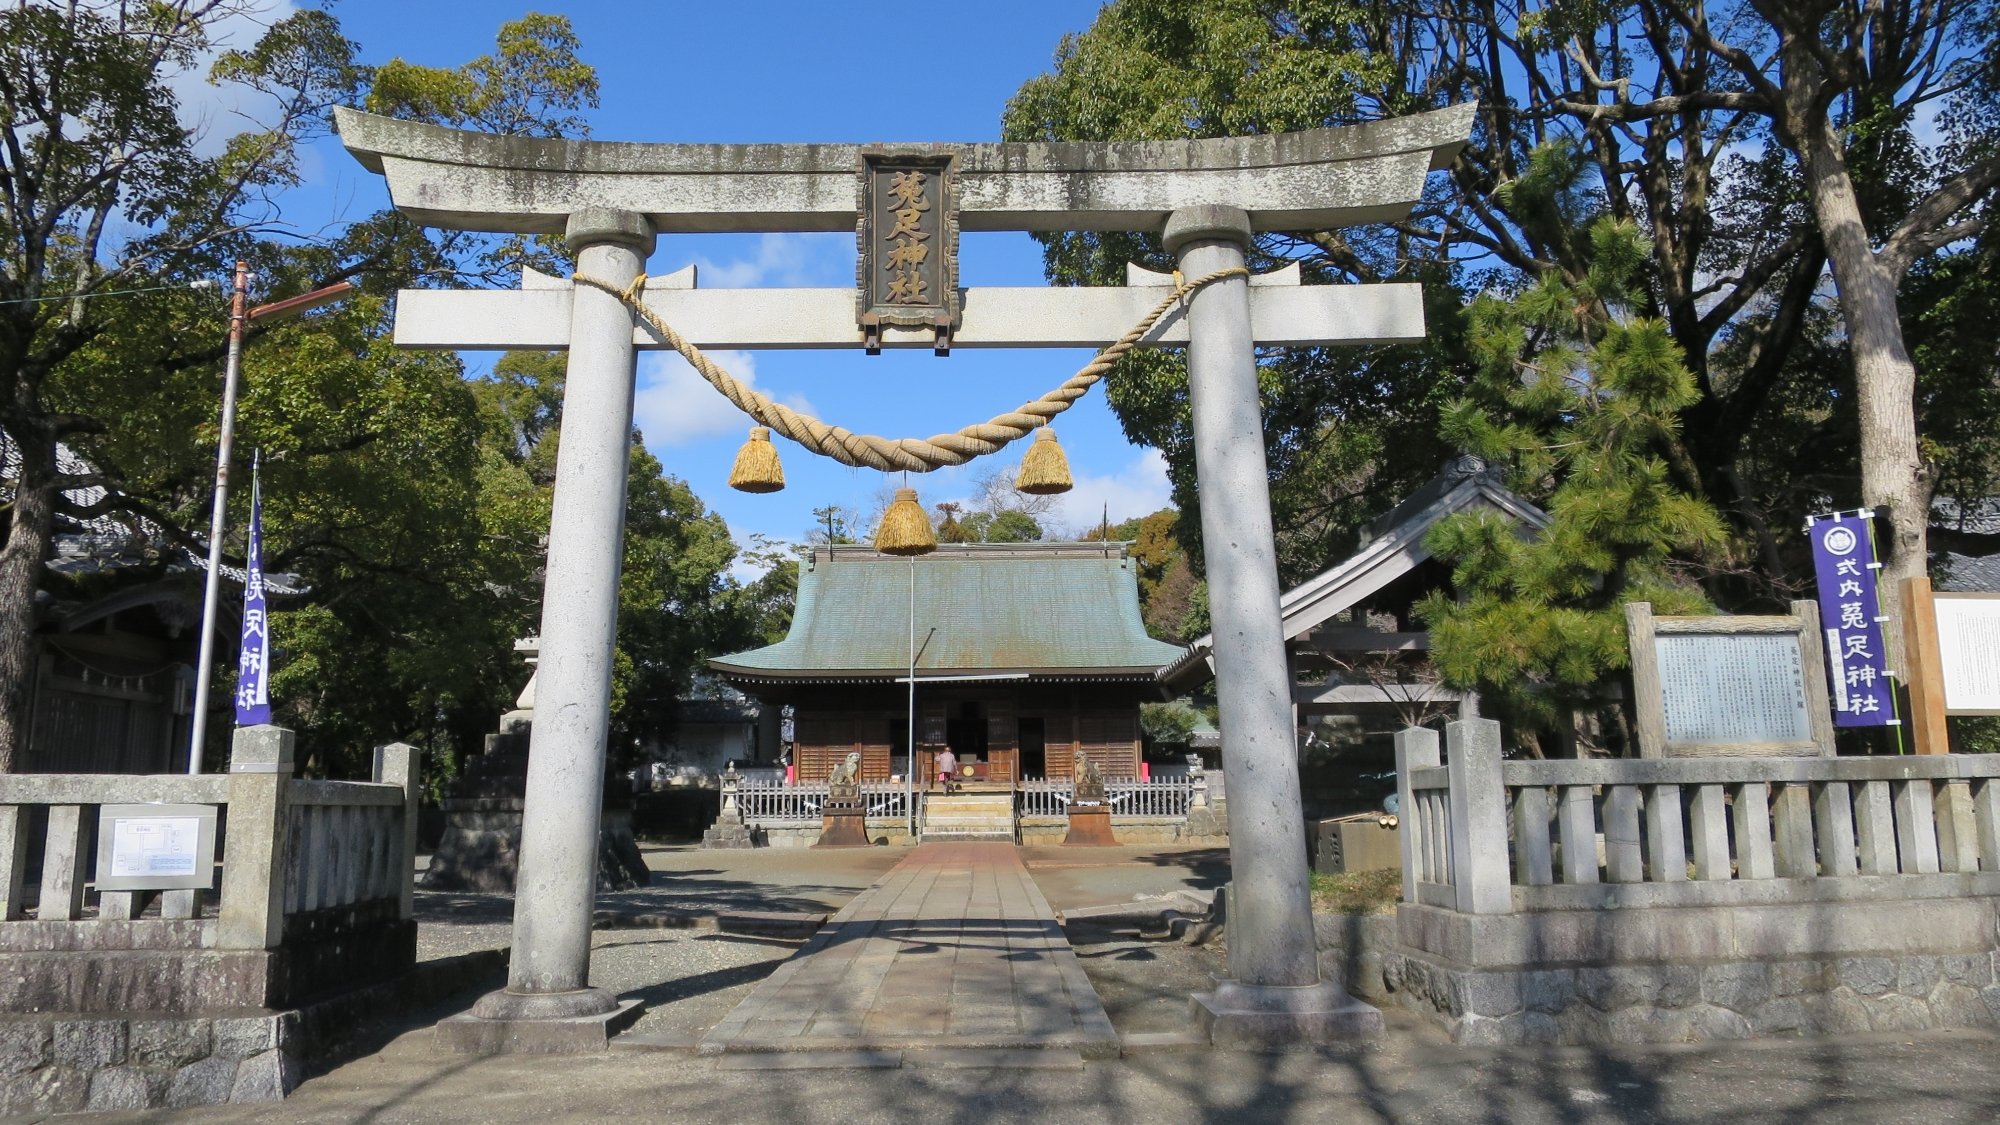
{"x": 1089, "y": 827}
{"x": 843, "y": 824}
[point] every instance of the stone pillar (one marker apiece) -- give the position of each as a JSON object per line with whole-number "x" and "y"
{"x": 548, "y": 976}
{"x": 1274, "y": 990}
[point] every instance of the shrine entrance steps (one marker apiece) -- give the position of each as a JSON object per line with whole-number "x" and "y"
{"x": 954, "y": 948}
{"x": 968, "y": 817}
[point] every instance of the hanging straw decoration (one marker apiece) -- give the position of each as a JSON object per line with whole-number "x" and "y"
{"x": 757, "y": 468}
{"x": 905, "y": 529}
{"x": 1045, "y": 470}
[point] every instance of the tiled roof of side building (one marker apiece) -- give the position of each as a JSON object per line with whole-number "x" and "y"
{"x": 1061, "y": 610}
{"x": 1969, "y": 574}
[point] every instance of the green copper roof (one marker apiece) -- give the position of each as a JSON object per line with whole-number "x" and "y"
{"x": 1058, "y": 610}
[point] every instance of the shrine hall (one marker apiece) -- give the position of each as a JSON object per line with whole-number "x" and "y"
{"x": 1024, "y": 655}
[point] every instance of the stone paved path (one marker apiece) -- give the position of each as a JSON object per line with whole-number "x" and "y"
{"x": 954, "y": 948}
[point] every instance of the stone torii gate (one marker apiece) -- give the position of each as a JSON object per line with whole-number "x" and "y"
{"x": 610, "y": 201}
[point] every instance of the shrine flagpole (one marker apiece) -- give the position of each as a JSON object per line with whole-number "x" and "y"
{"x": 910, "y": 737}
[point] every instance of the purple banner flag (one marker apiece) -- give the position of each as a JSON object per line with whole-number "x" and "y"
{"x": 253, "y": 667}
{"x": 1864, "y": 691}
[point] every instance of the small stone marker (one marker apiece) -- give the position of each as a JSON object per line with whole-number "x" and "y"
{"x": 729, "y": 831}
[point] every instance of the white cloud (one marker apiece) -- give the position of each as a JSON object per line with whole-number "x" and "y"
{"x": 785, "y": 260}
{"x": 746, "y": 569}
{"x": 217, "y": 113}
{"x": 674, "y": 405}
{"x": 1139, "y": 489}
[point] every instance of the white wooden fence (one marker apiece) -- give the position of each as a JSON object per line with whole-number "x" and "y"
{"x": 1485, "y": 836}
{"x": 1162, "y": 798}
{"x": 773, "y": 804}
{"x": 770, "y": 803}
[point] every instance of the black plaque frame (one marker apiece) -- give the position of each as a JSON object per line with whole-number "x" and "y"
{"x": 874, "y": 308}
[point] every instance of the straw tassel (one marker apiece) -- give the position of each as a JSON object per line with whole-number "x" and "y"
{"x": 1045, "y": 470}
{"x": 757, "y": 468}
{"x": 905, "y": 529}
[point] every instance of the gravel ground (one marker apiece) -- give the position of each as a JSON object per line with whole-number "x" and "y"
{"x": 686, "y": 881}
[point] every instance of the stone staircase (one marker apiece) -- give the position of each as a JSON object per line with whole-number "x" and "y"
{"x": 969, "y": 816}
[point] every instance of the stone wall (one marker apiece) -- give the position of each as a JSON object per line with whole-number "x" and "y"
{"x": 62, "y": 1062}
{"x": 1127, "y": 830}
{"x": 1697, "y": 974}
{"x": 1353, "y": 949}
{"x": 1693, "y": 1003}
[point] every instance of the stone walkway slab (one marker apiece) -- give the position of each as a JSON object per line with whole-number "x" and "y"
{"x": 954, "y": 947}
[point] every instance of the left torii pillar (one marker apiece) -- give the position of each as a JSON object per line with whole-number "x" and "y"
{"x": 549, "y": 1004}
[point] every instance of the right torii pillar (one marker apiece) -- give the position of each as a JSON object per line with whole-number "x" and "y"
{"x": 1274, "y": 992}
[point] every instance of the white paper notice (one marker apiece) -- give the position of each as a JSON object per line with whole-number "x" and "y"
{"x": 154, "y": 845}
{"x": 1969, "y": 644}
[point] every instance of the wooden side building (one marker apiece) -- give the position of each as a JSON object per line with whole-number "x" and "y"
{"x": 1025, "y": 655}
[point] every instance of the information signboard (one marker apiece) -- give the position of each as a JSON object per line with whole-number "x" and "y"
{"x": 1732, "y": 688}
{"x": 155, "y": 847}
{"x": 1724, "y": 686}
{"x": 1968, "y": 633}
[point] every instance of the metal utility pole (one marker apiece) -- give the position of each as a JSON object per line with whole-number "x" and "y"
{"x": 239, "y": 318}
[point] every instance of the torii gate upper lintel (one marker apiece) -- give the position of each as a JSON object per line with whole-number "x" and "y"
{"x": 1316, "y": 179}
{"x": 1207, "y": 198}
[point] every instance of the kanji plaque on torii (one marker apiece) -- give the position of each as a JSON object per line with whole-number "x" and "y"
{"x": 1205, "y": 199}
{"x": 907, "y": 235}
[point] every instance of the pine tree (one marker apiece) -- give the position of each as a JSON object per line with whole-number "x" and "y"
{"x": 1578, "y": 398}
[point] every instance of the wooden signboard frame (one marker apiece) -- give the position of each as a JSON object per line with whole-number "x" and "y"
{"x": 1649, "y": 698}
{"x": 1925, "y": 657}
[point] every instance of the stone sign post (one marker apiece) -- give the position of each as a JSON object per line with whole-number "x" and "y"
{"x": 1207, "y": 197}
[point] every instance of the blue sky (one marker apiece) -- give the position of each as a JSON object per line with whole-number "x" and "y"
{"x": 799, "y": 72}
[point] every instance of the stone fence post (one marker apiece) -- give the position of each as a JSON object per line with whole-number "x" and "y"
{"x": 396, "y": 764}
{"x": 1478, "y": 809}
{"x": 1416, "y": 749}
{"x": 252, "y": 911}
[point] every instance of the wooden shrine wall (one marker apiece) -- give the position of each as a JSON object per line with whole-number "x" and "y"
{"x": 1101, "y": 720}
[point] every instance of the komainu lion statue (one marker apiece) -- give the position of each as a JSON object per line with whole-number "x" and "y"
{"x": 845, "y": 780}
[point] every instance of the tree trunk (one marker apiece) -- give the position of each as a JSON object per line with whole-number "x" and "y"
{"x": 1893, "y": 473}
{"x": 21, "y": 560}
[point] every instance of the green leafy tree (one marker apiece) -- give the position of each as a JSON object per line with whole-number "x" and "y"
{"x": 766, "y": 604}
{"x": 1579, "y": 398}
{"x": 1347, "y": 431}
{"x": 1006, "y": 526}
{"x": 1168, "y": 724}
{"x": 1755, "y": 145}
{"x": 676, "y": 603}
{"x": 1166, "y": 578}
{"x": 382, "y": 492}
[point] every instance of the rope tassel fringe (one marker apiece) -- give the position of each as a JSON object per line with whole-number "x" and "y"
{"x": 1045, "y": 470}
{"x": 757, "y": 466}
{"x": 905, "y": 529}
